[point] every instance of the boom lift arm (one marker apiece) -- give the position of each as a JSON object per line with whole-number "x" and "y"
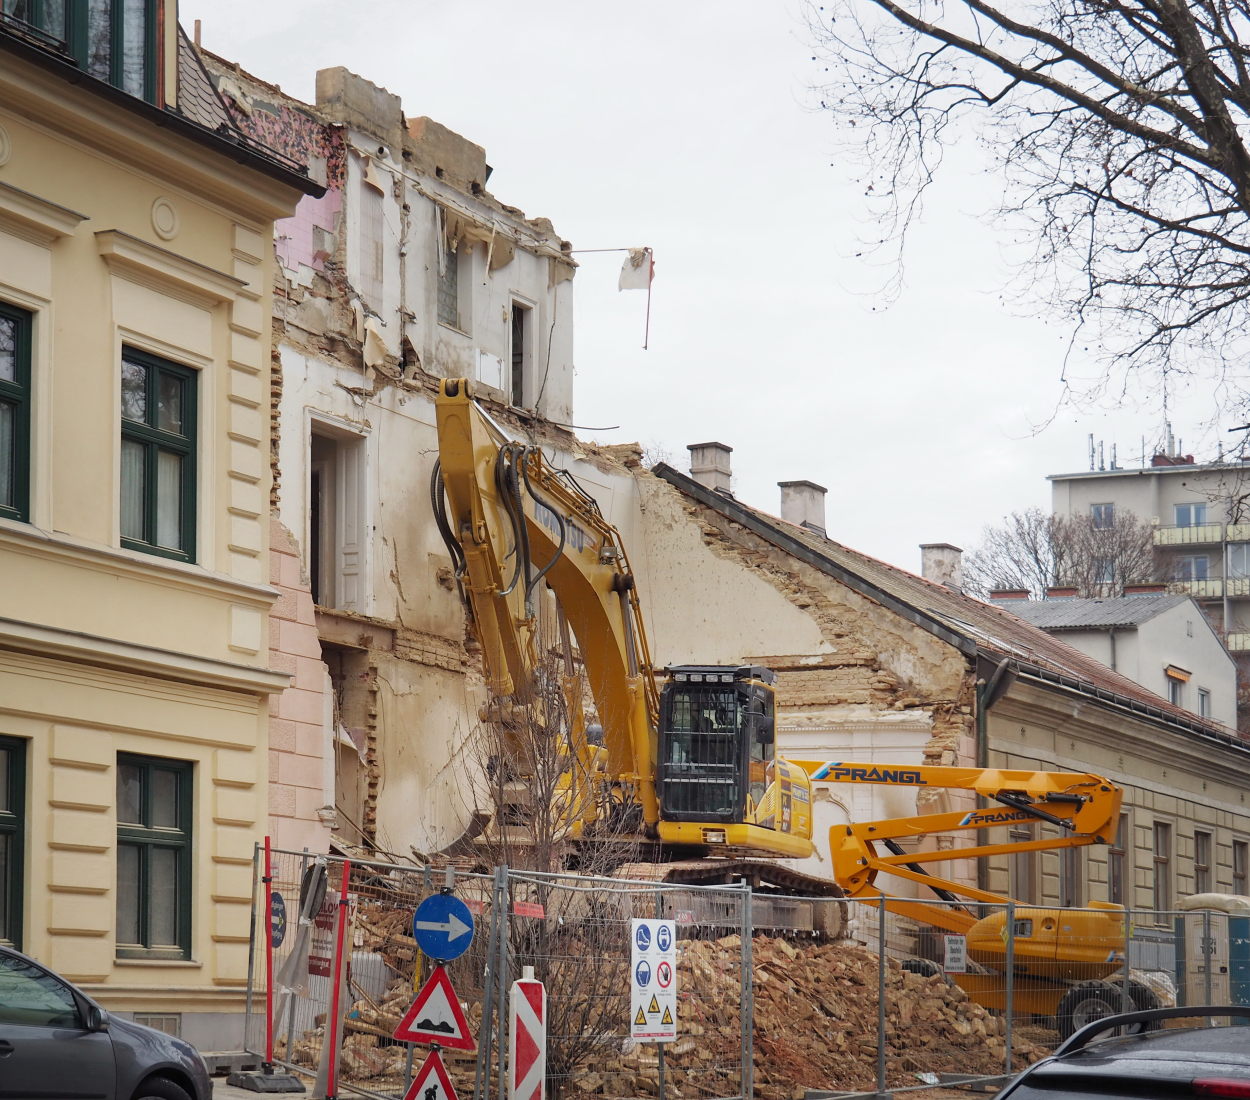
{"x": 1085, "y": 808}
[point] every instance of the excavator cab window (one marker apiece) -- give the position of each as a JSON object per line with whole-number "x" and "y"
{"x": 713, "y": 737}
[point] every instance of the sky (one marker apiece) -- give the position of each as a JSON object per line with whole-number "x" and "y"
{"x": 691, "y": 127}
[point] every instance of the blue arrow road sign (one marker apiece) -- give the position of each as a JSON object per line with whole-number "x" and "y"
{"x": 277, "y": 919}
{"x": 443, "y": 927}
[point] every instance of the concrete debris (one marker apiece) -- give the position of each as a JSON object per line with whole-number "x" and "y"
{"x": 815, "y": 1024}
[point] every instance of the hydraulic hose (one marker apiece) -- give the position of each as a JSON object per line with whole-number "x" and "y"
{"x": 438, "y": 502}
{"x": 529, "y": 488}
{"x": 510, "y": 495}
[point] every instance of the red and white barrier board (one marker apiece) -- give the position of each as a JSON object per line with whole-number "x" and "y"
{"x": 527, "y": 1048}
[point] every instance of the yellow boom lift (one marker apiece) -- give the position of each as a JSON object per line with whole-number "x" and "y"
{"x": 1060, "y": 959}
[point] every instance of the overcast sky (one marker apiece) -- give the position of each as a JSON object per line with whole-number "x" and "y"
{"x": 688, "y": 126}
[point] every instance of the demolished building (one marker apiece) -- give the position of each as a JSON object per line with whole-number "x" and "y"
{"x": 408, "y": 271}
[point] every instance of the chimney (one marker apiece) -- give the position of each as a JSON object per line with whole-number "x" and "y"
{"x": 942, "y": 563}
{"x": 1061, "y": 592}
{"x": 803, "y": 503}
{"x": 1144, "y": 589}
{"x": 1009, "y": 593}
{"x": 709, "y": 466}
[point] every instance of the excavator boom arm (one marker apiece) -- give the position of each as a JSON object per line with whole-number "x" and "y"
{"x": 514, "y": 524}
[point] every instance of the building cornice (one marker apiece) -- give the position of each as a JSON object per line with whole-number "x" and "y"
{"x": 1036, "y": 703}
{"x": 34, "y": 218}
{"x": 1164, "y": 471}
{"x": 138, "y": 660}
{"x": 21, "y": 538}
{"x": 58, "y": 96}
{"x": 165, "y": 271}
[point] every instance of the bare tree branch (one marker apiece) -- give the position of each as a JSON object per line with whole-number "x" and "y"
{"x": 1038, "y": 550}
{"x": 1120, "y": 126}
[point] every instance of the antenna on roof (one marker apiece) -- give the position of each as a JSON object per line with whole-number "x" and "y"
{"x": 1091, "y": 450}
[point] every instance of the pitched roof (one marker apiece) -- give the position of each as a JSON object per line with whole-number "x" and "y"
{"x": 974, "y": 627}
{"x": 1124, "y": 612}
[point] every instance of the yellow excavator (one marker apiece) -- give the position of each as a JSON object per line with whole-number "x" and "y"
{"x": 690, "y": 769}
{"x": 687, "y": 769}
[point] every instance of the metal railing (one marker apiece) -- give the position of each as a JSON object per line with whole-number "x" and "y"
{"x": 1192, "y": 535}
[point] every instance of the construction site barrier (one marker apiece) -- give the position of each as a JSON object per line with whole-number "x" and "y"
{"x": 775, "y": 995}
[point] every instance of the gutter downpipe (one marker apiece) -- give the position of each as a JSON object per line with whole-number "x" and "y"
{"x": 988, "y": 692}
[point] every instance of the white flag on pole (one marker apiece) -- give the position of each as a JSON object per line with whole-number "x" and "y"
{"x": 637, "y": 271}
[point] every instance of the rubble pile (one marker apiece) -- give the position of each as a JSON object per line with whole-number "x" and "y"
{"x": 815, "y": 1026}
{"x": 816, "y": 1018}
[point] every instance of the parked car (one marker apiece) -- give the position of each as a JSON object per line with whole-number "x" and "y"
{"x": 56, "y": 1042}
{"x": 1146, "y": 1059}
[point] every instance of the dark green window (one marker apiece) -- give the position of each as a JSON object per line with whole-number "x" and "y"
{"x": 153, "y": 858}
{"x": 14, "y": 413}
{"x": 12, "y": 838}
{"x": 113, "y": 40}
{"x": 158, "y": 456}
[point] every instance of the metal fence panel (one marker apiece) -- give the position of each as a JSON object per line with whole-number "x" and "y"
{"x": 776, "y": 995}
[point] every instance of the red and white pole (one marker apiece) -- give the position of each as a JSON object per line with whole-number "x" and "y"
{"x": 338, "y": 971}
{"x": 527, "y": 1047}
{"x": 268, "y": 881}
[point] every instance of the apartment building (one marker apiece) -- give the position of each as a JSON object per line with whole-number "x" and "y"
{"x": 1201, "y": 518}
{"x": 136, "y": 230}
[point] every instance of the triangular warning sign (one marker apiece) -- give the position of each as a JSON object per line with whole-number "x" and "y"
{"x": 654, "y": 1006}
{"x": 667, "y": 1018}
{"x": 640, "y": 1019}
{"x": 431, "y": 1081}
{"x": 436, "y": 1016}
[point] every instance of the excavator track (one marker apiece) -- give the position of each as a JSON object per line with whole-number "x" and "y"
{"x": 784, "y": 901}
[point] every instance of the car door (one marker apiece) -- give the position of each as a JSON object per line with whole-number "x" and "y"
{"x": 45, "y": 1049}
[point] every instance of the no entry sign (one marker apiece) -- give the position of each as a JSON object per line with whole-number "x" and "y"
{"x": 527, "y": 1053}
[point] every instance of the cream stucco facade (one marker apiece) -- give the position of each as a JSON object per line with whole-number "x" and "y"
{"x": 129, "y": 229}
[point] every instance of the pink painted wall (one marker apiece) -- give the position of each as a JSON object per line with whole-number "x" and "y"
{"x": 299, "y": 718}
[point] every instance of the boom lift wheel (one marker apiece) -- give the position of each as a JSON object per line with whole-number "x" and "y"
{"x": 1086, "y": 1002}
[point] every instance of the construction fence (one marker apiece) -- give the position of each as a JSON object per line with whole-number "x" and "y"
{"x": 775, "y": 995}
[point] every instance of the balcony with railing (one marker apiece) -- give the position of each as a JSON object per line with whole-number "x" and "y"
{"x": 1198, "y": 534}
{"x": 1212, "y": 589}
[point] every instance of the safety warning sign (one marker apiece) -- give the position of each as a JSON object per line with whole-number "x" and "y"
{"x": 653, "y": 981}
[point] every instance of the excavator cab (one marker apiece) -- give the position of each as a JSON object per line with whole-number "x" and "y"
{"x": 716, "y": 742}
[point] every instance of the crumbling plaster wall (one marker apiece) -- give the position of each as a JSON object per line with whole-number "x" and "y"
{"x": 855, "y": 680}
{"x": 359, "y": 352}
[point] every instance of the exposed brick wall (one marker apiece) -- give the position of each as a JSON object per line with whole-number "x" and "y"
{"x": 299, "y": 741}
